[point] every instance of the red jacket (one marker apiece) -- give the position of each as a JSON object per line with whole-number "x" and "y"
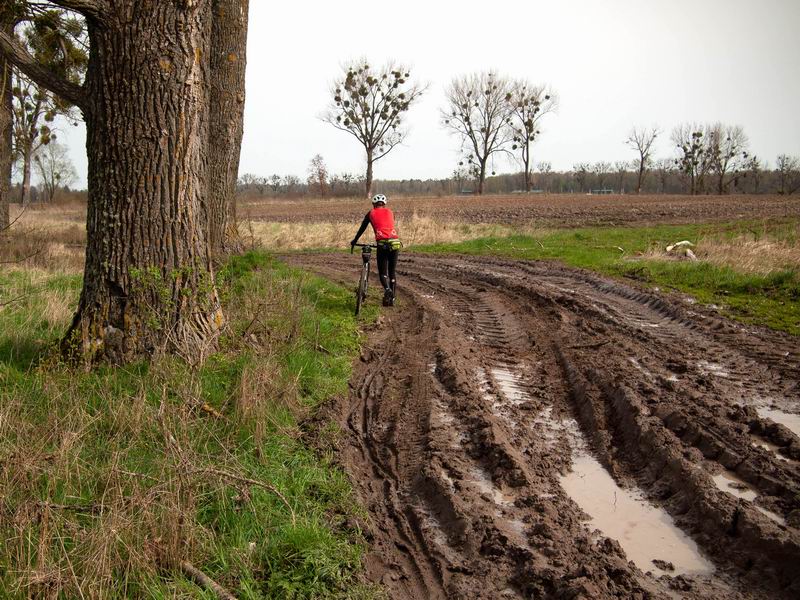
{"x": 382, "y": 221}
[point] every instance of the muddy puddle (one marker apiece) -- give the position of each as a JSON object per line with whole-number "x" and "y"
{"x": 791, "y": 421}
{"x": 509, "y": 385}
{"x": 734, "y": 485}
{"x": 712, "y": 368}
{"x": 481, "y": 480}
{"x": 773, "y": 448}
{"x": 646, "y": 532}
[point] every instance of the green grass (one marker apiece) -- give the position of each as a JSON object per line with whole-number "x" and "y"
{"x": 109, "y": 478}
{"x": 772, "y": 299}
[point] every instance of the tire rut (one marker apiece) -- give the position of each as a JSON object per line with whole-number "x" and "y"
{"x": 489, "y": 382}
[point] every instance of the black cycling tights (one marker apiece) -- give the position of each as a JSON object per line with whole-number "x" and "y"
{"x": 387, "y": 264}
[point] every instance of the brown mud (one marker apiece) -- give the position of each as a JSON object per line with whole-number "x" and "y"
{"x": 499, "y": 400}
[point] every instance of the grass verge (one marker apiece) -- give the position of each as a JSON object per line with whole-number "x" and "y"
{"x": 111, "y": 480}
{"x": 749, "y": 269}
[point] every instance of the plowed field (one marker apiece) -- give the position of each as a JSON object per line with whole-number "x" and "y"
{"x": 524, "y": 430}
{"x": 557, "y": 210}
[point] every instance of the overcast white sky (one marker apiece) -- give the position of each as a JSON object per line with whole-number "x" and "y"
{"x": 613, "y": 63}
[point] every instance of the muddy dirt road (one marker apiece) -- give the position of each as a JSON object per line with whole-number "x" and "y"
{"x": 522, "y": 430}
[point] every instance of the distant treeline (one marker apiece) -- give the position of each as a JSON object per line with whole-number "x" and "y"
{"x": 663, "y": 178}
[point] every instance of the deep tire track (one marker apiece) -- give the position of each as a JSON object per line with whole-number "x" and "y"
{"x": 448, "y": 449}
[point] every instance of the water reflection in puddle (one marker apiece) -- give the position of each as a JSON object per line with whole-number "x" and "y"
{"x": 486, "y": 486}
{"x": 736, "y": 486}
{"x": 728, "y": 482}
{"x": 710, "y": 368}
{"x": 791, "y": 421}
{"x": 645, "y": 532}
{"x": 773, "y": 448}
{"x": 509, "y": 385}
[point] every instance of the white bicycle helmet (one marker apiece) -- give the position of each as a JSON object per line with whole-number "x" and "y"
{"x": 378, "y": 198}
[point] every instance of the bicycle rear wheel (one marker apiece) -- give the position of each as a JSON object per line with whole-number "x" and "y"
{"x": 361, "y": 292}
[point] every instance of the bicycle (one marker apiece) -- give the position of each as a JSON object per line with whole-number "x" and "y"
{"x": 363, "y": 281}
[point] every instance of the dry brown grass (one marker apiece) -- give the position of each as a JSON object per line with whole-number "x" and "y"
{"x": 414, "y": 231}
{"x": 753, "y": 252}
{"x": 52, "y": 238}
{"x": 751, "y": 256}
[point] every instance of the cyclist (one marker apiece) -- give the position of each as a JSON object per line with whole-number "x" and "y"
{"x": 388, "y": 242}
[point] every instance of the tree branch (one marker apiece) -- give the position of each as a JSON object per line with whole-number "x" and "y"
{"x": 88, "y": 8}
{"x": 23, "y": 60}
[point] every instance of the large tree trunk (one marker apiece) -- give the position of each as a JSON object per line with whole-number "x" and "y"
{"x": 148, "y": 281}
{"x": 481, "y": 178}
{"x": 526, "y": 161}
{"x": 368, "y": 180}
{"x": 641, "y": 176}
{"x": 226, "y": 125}
{"x": 6, "y": 120}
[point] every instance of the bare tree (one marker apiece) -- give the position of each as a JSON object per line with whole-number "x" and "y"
{"x": 788, "y": 168}
{"x": 726, "y": 154}
{"x": 601, "y": 170}
{"x": 527, "y": 104}
{"x": 663, "y": 168}
{"x": 370, "y": 105}
{"x": 318, "y": 175}
{"x": 460, "y": 174}
{"x": 620, "y": 170}
{"x": 545, "y": 168}
{"x": 55, "y": 169}
{"x": 755, "y": 171}
{"x": 581, "y": 171}
{"x": 641, "y": 140}
{"x": 692, "y": 161}
{"x": 291, "y": 183}
{"x": 57, "y": 39}
{"x": 274, "y": 183}
{"x": 477, "y": 111}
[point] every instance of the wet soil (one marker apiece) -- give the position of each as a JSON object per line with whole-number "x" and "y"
{"x": 523, "y": 430}
{"x": 550, "y": 210}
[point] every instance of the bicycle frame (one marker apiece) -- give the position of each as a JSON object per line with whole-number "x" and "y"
{"x": 366, "y": 256}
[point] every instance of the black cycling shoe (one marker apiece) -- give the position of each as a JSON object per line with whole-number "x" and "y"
{"x": 388, "y": 298}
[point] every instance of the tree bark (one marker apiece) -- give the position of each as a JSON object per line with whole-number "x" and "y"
{"x": 148, "y": 281}
{"x": 368, "y": 180}
{"x": 481, "y": 178}
{"x": 641, "y": 175}
{"x": 6, "y": 123}
{"x": 226, "y": 125}
{"x": 526, "y": 157}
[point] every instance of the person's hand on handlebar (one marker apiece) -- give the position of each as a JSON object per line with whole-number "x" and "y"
{"x": 352, "y": 245}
